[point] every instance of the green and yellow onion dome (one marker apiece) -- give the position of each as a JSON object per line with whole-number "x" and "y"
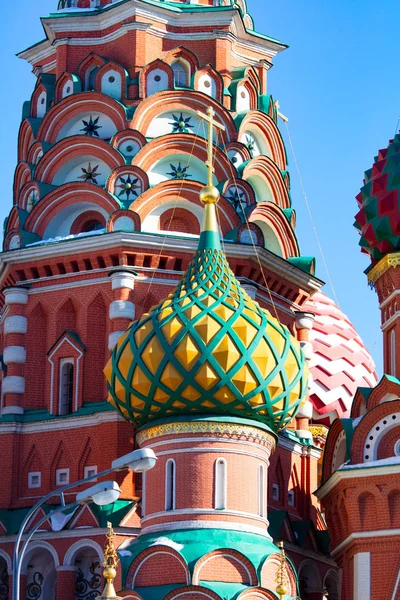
{"x": 207, "y": 349}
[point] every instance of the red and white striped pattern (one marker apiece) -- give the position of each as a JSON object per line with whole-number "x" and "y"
{"x": 340, "y": 363}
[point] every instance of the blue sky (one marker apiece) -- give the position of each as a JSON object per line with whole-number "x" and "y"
{"x": 337, "y": 83}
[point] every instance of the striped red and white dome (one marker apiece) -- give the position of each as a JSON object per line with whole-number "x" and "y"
{"x": 340, "y": 363}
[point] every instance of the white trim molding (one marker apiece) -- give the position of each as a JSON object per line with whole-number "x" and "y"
{"x": 362, "y": 470}
{"x": 362, "y": 535}
{"x": 173, "y": 526}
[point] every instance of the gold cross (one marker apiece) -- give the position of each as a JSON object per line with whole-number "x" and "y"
{"x": 209, "y": 118}
{"x": 277, "y": 106}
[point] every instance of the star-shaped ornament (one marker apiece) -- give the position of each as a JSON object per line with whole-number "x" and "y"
{"x": 90, "y": 174}
{"x": 91, "y": 127}
{"x": 179, "y": 172}
{"x": 180, "y": 124}
{"x": 128, "y": 186}
{"x": 236, "y": 198}
{"x": 251, "y": 145}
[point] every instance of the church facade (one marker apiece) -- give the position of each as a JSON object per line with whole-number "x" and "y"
{"x": 236, "y": 365}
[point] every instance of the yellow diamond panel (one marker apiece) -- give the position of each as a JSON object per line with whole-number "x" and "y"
{"x": 140, "y": 383}
{"x": 171, "y": 377}
{"x": 161, "y": 396}
{"x": 224, "y": 395}
{"x": 207, "y": 328}
{"x": 142, "y": 332}
{"x": 152, "y": 355}
{"x": 189, "y": 393}
{"x": 226, "y": 353}
{"x": 263, "y": 358}
{"x": 245, "y": 380}
{"x": 244, "y": 331}
{"x": 275, "y": 387}
{"x": 187, "y": 352}
{"x": 125, "y": 361}
{"x": 206, "y": 376}
{"x": 171, "y": 329}
{"x": 277, "y": 338}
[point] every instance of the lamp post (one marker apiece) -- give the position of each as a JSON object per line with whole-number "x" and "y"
{"x": 101, "y": 494}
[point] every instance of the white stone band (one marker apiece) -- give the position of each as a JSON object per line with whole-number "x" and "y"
{"x": 15, "y": 324}
{"x": 304, "y": 434}
{"x": 251, "y": 290}
{"x": 306, "y": 410}
{"x": 14, "y": 354}
{"x": 113, "y": 338}
{"x": 307, "y": 348}
{"x": 14, "y": 384}
{"x": 304, "y": 320}
{"x": 122, "y": 280}
{"x": 16, "y": 296}
{"x": 122, "y": 309}
{"x": 12, "y": 410}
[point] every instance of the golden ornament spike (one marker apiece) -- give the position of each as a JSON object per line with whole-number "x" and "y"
{"x": 281, "y": 575}
{"x": 209, "y": 118}
{"x": 110, "y": 563}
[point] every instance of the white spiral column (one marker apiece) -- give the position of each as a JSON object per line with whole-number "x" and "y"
{"x": 14, "y": 354}
{"x": 122, "y": 309}
{"x": 304, "y": 324}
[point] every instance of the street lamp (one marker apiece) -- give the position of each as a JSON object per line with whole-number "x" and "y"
{"x": 105, "y": 492}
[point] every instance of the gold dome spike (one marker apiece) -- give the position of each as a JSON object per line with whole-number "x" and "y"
{"x": 281, "y": 576}
{"x": 110, "y": 563}
{"x": 210, "y": 195}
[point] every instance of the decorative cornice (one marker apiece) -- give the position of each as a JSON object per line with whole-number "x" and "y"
{"x": 218, "y": 429}
{"x": 390, "y": 260}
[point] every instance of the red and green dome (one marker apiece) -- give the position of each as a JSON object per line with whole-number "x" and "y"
{"x": 208, "y": 349}
{"x": 378, "y": 219}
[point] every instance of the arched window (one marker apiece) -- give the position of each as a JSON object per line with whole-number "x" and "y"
{"x": 92, "y": 225}
{"x": 170, "y": 485}
{"x": 220, "y": 484}
{"x": 261, "y": 490}
{"x": 89, "y": 78}
{"x": 180, "y": 74}
{"x": 66, "y": 386}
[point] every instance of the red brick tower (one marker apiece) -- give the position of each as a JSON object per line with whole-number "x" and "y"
{"x": 361, "y": 489}
{"x": 105, "y": 219}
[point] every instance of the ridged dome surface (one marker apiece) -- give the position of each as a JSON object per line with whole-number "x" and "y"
{"x": 208, "y": 348}
{"x": 378, "y": 219}
{"x": 340, "y": 363}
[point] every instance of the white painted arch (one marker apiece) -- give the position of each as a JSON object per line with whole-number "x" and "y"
{"x": 81, "y": 545}
{"x": 7, "y": 559}
{"x": 40, "y": 545}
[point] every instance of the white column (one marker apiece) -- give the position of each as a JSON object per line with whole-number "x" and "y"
{"x": 362, "y": 576}
{"x": 122, "y": 310}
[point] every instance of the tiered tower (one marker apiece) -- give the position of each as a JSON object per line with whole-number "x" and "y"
{"x": 106, "y": 218}
{"x": 361, "y": 478}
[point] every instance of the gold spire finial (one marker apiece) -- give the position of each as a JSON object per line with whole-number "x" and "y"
{"x": 281, "y": 576}
{"x": 210, "y": 194}
{"x": 110, "y": 563}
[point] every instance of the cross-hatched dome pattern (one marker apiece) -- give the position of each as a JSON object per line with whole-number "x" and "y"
{"x": 208, "y": 348}
{"x": 340, "y": 363}
{"x": 378, "y": 219}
